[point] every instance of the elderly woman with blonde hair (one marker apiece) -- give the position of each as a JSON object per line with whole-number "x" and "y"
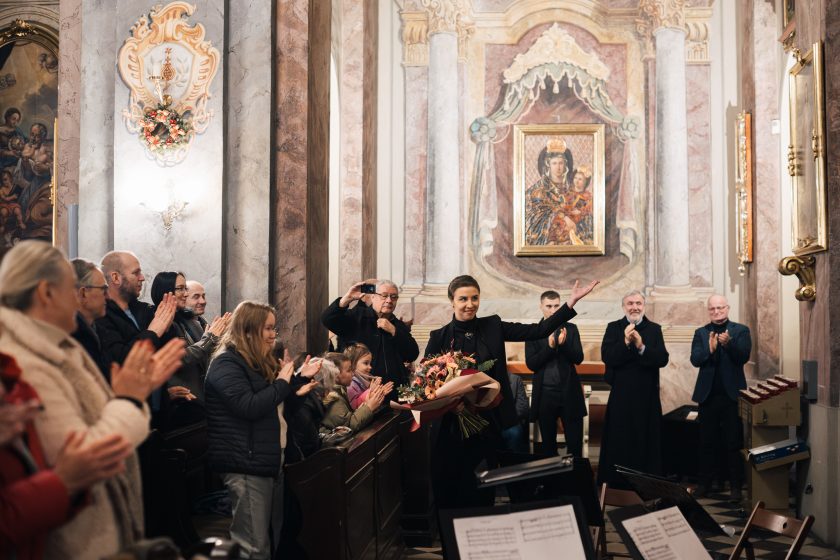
{"x": 37, "y": 315}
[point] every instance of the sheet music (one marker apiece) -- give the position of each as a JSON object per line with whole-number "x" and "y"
{"x": 665, "y": 535}
{"x": 525, "y": 535}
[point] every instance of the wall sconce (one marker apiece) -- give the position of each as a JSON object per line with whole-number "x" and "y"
{"x": 803, "y": 268}
{"x": 174, "y": 211}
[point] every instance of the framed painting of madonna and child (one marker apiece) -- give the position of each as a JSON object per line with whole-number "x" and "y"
{"x": 558, "y": 190}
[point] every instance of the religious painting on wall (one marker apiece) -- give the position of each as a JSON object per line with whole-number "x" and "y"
{"x": 806, "y": 153}
{"x": 558, "y": 188}
{"x": 28, "y": 105}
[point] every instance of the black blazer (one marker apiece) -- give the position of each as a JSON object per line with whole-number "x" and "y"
{"x": 538, "y": 354}
{"x": 733, "y": 356}
{"x": 117, "y": 333}
{"x": 491, "y": 334}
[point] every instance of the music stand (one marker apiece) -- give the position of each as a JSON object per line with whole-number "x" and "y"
{"x": 446, "y": 518}
{"x": 664, "y": 494}
{"x": 546, "y": 479}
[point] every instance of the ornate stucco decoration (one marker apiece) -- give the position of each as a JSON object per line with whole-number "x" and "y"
{"x": 655, "y": 14}
{"x": 450, "y": 16}
{"x": 168, "y": 67}
{"x": 415, "y": 38}
{"x": 554, "y": 45}
{"x": 697, "y": 42}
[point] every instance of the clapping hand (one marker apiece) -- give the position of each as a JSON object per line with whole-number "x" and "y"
{"x": 144, "y": 370}
{"x": 724, "y": 338}
{"x": 304, "y": 390}
{"x": 164, "y": 314}
{"x": 80, "y": 465}
{"x": 632, "y": 336}
{"x": 561, "y": 336}
{"x": 219, "y": 325}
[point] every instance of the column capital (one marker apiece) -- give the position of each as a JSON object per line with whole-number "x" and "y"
{"x": 448, "y": 16}
{"x": 656, "y": 14}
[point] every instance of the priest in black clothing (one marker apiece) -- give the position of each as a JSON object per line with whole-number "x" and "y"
{"x": 720, "y": 349}
{"x": 557, "y": 392}
{"x": 633, "y": 351}
{"x": 454, "y": 459}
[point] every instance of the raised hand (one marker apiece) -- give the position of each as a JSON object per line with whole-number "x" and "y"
{"x": 14, "y": 417}
{"x": 713, "y": 342}
{"x": 304, "y": 390}
{"x": 81, "y": 465}
{"x": 164, "y": 314}
{"x": 354, "y": 293}
{"x": 310, "y": 369}
{"x": 219, "y": 325}
{"x": 579, "y": 292}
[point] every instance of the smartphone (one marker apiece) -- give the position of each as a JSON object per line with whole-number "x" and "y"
{"x": 368, "y": 288}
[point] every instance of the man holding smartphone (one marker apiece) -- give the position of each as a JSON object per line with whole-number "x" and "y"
{"x": 375, "y": 325}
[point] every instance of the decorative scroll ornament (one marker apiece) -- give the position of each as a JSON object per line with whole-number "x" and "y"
{"x": 654, "y": 14}
{"x": 168, "y": 68}
{"x": 447, "y": 15}
{"x": 556, "y": 44}
{"x": 803, "y": 268}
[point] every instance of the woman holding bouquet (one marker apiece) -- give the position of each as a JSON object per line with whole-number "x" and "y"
{"x": 454, "y": 459}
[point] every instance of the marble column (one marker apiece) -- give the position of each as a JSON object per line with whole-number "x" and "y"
{"x": 443, "y": 195}
{"x": 672, "y": 248}
{"x": 248, "y": 166}
{"x": 300, "y": 211}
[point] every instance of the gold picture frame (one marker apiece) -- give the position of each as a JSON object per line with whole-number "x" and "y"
{"x": 28, "y": 134}
{"x": 744, "y": 190}
{"x": 558, "y": 189}
{"x": 806, "y": 153}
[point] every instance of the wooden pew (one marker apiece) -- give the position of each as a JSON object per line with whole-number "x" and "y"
{"x": 350, "y": 495}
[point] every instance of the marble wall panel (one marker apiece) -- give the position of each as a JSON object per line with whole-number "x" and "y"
{"x": 416, "y": 153}
{"x": 699, "y": 117}
{"x": 142, "y": 188}
{"x": 96, "y": 132}
{"x": 351, "y": 98}
{"x": 247, "y": 207}
{"x": 767, "y": 177}
{"x": 69, "y": 113}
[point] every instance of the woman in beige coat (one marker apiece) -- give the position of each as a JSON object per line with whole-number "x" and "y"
{"x": 37, "y": 315}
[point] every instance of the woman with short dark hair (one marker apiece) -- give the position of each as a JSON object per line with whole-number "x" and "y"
{"x": 453, "y": 459}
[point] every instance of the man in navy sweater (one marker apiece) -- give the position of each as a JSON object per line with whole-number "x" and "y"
{"x": 720, "y": 349}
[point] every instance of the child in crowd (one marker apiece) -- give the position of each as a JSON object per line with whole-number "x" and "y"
{"x": 339, "y": 412}
{"x": 361, "y": 364}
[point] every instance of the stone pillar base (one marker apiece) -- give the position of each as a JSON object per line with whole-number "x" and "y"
{"x": 674, "y": 293}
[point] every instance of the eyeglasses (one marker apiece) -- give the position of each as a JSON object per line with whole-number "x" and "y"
{"x": 180, "y": 289}
{"x": 392, "y": 297}
{"x": 718, "y": 308}
{"x": 104, "y": 288}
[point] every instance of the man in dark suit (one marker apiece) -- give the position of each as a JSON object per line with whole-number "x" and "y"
{"x": 557, "y": 391}
{"x": 720, "y": 349}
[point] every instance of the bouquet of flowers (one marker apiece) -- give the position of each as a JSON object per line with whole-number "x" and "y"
{"x": 448, "y": 382}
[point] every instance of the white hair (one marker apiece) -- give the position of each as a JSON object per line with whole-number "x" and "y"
{"x": 380, "y": 283}
{"x": 633, "y": 293}
{"x": 24, "y": 267}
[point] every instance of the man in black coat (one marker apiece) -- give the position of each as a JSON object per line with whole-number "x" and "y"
{"x": 127, "y": 319}
{"x": 386, "y": 336}
{"x": 720, "y": 349}
{"x": 557, "y": 392}
{"x": 633, "y": 351}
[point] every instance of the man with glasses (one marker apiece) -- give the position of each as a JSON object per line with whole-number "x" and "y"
{"x": 720, "y": 349}
{"x": 92, "y": 292}
{"x": 127, "y": 319}
{"x": 375, "y": 326}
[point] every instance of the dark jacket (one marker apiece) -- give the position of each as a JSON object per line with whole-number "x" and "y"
{"x": 117, "y": 333}
{"x": 732, "y": 358}
{"x": 303, "y": 416}
{"x": 538, "y": 355}
{"x": 520, "y": 398}
{"x": 358, "y": 324}
{"x": 243, "y": 427}
{"x": 196, "y": 360}
{"x": 89, "y": 339}
{"x": 491, "y": 333}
